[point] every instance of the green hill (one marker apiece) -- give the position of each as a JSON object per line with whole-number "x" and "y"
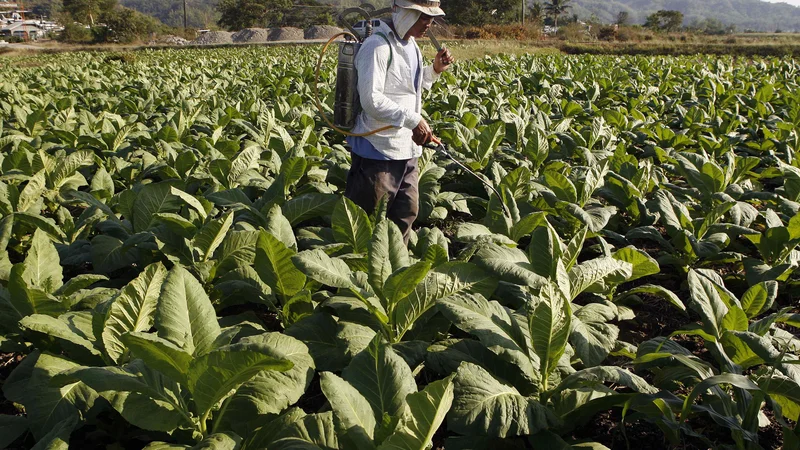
{"x": 199, "y": 13}
{"x": 745, "y": 14}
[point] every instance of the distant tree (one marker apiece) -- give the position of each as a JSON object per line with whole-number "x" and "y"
{"x": 199, "y": 13}
{"x": 665, "y": 20}
{"x": 85, "y": 11}
{"x": 74, "y": 33}
{"x": 536, "y": 12}
{"x": 125, "y": 25}
{"x": 307, "y": 13}
{"x": 239, "y": 14}
{"x": 557, "y": 8}
{"x": 480, "y": 12}
{"x": 48, "y": 9}
{"x": 623, "y": 18}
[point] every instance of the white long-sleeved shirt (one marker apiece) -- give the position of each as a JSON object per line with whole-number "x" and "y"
{"x": 388, "y": 95}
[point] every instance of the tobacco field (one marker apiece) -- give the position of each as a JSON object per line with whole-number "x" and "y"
{"x": 179, "y": 269}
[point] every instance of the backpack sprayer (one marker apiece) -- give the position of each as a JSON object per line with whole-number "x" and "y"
{"x": 347, "y": 105}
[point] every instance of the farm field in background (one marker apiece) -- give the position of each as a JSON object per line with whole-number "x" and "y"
{"x": 179, "y": 269}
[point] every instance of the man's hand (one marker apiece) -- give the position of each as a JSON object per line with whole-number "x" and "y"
{"x": 423, "y": 133}
{"x": 443, "y": 60}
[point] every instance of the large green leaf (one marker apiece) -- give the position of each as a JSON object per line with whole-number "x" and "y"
{"x": 561, "y": 186}
{"x": 383, "y": 378}
{"x": 318, "y": 266}
{"x": 220, "y": 441}
{"x": 403, "y": 282}
{"x": 46, "y": 405}
{"x": 332, "y": 344}
{"x": 545, "y": 250}
{"x": 216, "y": 441}
{"x": 351, "y": 225}
{"x": 211, "y": 235}
{"x": 42, "y": 268}
{"x": 274, "y": 265}
{"x": 387, "y": 253}
{"x": 485, "y": 406}
{"x": 585, "y": 275}
{"x": 26, "y": 300}
{"x": 353, "y": 413}
{"x": 159, "y": 353}
{"x": 592, "y": 335}
{"x": 446, "y": 356}
{"x": 605, "y": 374}
{"x": 312, "y": 432}
{"x": 244, "y": 161}
{"x": 509, "y": 264}
{"x": 11, "y": 427}
{"x": 736, "y": 380}
{"x": 309, "y": 206}
{"x": 425, "y": 411}
{"x": 487, "y": 142}
{"x": 191, "y": 201}
{"x": 655, "y": 290}
{"x": 270, "y": 391}
{"x": 185, "y": 315}
{"x": 151, "y": 199}
{"x": 133, "y": 309}
{"x": 493, "y": 324}
{"x": 759, "y": 298}
{"x": 642, "y": 264}
{"x": 238, "y": 250}
{"x": 269, "y": 429}
{"x": 68, "y": 166}
{"x": 278, "y": 226}
{"x": 144, "y": 397}
{"x": 706, "y": 301}
{"x": 549, "y": 324}
{"x": 75, "y": 345}
{"x": 213, "y": 375}
{"x": 31, "y": 194}
{"x": 58, "y": 437}
{"x": 784, "y": 391}
{"x": 445, "y": 280}
{"x": 109, "y": 254}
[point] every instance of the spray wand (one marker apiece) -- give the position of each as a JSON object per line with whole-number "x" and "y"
{"x": 439, "y": 146}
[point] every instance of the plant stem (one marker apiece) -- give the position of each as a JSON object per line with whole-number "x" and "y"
{"x": 222, "y": 409}
{"x": 203, "y": 424}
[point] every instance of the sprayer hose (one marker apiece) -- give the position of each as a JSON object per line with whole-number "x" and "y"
{"x": 319, "y": 103}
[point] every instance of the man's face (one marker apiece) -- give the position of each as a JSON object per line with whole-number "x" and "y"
{"x": 421, "y": 27}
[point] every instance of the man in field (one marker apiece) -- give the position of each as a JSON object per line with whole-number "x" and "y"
{"x": 391, "y": 78}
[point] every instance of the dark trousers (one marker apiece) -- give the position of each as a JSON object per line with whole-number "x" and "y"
{"x": 369, "y": 180}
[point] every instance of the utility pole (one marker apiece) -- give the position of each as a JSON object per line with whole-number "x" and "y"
{"x": 523, "y": 13}
{"x": 184, "y": 16}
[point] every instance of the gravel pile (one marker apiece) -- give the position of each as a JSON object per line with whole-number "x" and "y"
{"x": 173, "y": 40}
{"x": 286, "y": 34}
{"x": 214, "y": 38}
{"x": 322, "y": 32}
{"x": 251, "y": 35}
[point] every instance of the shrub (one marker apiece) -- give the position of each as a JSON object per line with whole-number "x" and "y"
{"x": 608, "y": 33}
{"x": 74, "y": 33}
{"x": 475, "y": 33}
{"x": 573, "y": 32}
{"x": 124, "y": 25}
{"x": 515, "y": 32}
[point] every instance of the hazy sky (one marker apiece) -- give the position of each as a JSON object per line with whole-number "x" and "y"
{"x": 791, "y": 2}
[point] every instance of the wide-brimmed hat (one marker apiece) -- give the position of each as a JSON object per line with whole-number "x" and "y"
{"x": 429, "y": 7}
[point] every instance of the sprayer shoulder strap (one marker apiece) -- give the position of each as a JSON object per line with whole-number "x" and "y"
{"x": 391, "y": 52}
